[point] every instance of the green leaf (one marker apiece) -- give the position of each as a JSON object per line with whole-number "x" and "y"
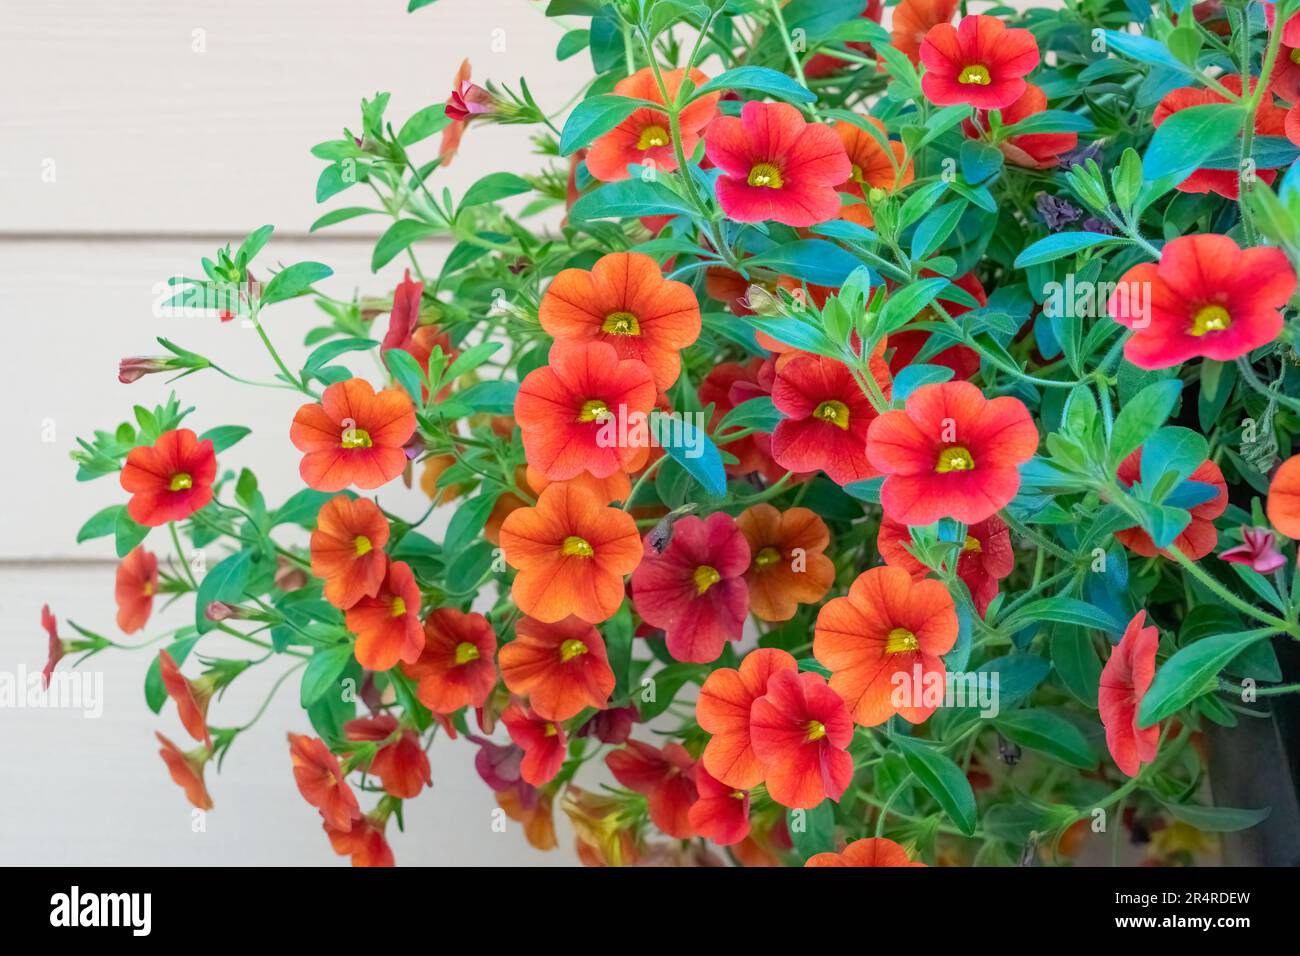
{"x": 1067, "y": 611}
{"x": 103, "y": 522}
{"x": 417, "y": 4}
{"x": 1179, "y": 143}
{"x": 667, "y": 682}
{"x": 1076, "y": 663}
{"x": 1216, "y": 819}
{"x": 629, "y": 198}
{"x": 1047, "y": 733}
{"x": 760, "y": 79}
{"x": 294, "y": 281}
{"x": 407, "y": 373}
{"x": 1191, "y": 672}
{"x": 128, "y": 532}
{"x": 397, "y": 238}
{"x": 332, "y": 349}
{"x": 223, "y": 436}
{"x": 494, "y": 186}
{"x": 814, "y": 261}
{"x": 468, "y": 522}
{"x": 905, "y": 303}
{"x": 301, "y": 508}
{"x": 592, "y": 117}
{"x": 430, "y": 120}
{"x": 225, "y": 582}
{"x": 1051, "y": 121}
{"x": 943, "y": 780}
{"x": 812, "y": 831}
{"x": 322, "y": 672}
{"x": 1060, "y": 244}
{"x": 1140, "y": 416}
{"x": 935, "y": 228}
{"x": 341, "y": 215}
{"x": 691, "y": 448}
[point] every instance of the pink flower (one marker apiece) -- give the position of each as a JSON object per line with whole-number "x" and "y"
{"x": 1258, "y": 550}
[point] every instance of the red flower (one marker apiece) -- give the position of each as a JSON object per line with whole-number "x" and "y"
{"x": 347, "y": 549}
{"x": 1270, "y": 120}
{"x": 353, "y": 436}
{"x": 913, "y": 20}
{"x": 986, "y": 556}
{"x": 1285, "y": 79}
{"x": 800, "y": 731}
{"x": 1031, "y": 150}
{"x": 980, "y": 61}
{"x": 644, "y": 138}
{"x": 364, "y": 841}
{"x": 574, "y": 413}
{"x": 322, "y": 783}
{"x": 1124, "y": 682}
{"x": 1258, "y": 551}
{"x": 721, "y": 813}
{"x": 1200, "y": 537}
{"x": 562, "y": 668}
{"x": 466, "y": 100}
{"x": 873, "y": 851}
{"x": 137, "y": 583}
{"x": 725, "y": 387}
{"x": 543, "y": 742}
{"x": 192, "y": 697}
{"x": 169, "y": 480}
{"x": 723, "y": 710}
{"x": 186, "y": 769}
{"x": 776, "y": 166}
{"x": 827, "y": 417}
{"x": 51, "y": 625}
{"x": 455, "y": 668}
{"x": 907, "y": 344}
{"x": 401, "y": 764}
{"x": 387, "y": 624}
{"x": 951, "y": 453}
{"x": 666, "y": 777}
{"x": 1207, "y": 297}
{"x": 405, "y": 314}
{"x": 695, "y": 590}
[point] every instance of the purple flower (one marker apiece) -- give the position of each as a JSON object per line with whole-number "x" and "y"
{"x": 1056, "y": 213}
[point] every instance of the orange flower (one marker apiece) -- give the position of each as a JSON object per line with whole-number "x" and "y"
{"x": 401, "y": 764}
{"x": 572, "y": 555}
{"x": 787, "y": 567}
{"x": 186, "y": 769}
{"x": 434, "y": 466}
{"x": 455, "y": 668}
{"x": 560, "y": 667}
{"x": 626, "y": 302}
{"x": 1284, "y": 498}
{"x": 347, "y": 549}
{"x": 192, "y": 697}
{"x": 573, "y": 412}
{"x": 874, "y": 170}
{"x": 322, "y": 783}
{"x": 543, "y": 742}
{"x": 721, "y": 813}
{"x": 353, "y": 436}
{"x": 666, "y": 777}
{"x": 169, "y": 480}
{"x": 387, "y": 623}
{"x": 364, "y": 841}
{"x": 137, "y": 583}
{"x": 913, "y": 20}
{"x": 644, "y": 138}
{"x": 886, "y": 626}
{"x": 533, "y": 808}
{"x": 723, "y": 710}
{"x": 873, "y": 851}
{"x": 616, "y": 487}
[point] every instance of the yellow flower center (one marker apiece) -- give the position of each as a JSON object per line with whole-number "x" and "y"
{"x": 833, "y": 411}
{"x": 976, "y": 73}
{"x": 816, "y": 730}
{"x": 856, "y": 175}
{"x": 621, "y": 323}
{"x": 955, "y": 458}
{"x": 571, "y": 649}
{"x": 1295, "y": 56}
{"x": 738, "y": 794}
{"x": 181, "y": 482}
{"x": 765, "y": 174}
{"x": 1210, "y": 318}
{"x": 550, "y": 730}
{"x": 355, "y": 438}
{"x": 972, "y": 544}
{"x": 466, "y": 652}
{"x": 900, "y": 641}
{"x": 705, "y": 577}
{"x": 593, "y": 410}
{"x": 398, "y": 607}
{"x": 767, "y": 556}
{"x": 148, "y": 589}
{"x": 652, "y": 136}
{"x": 363, "y": 545}
{"x": 575, "y": 547}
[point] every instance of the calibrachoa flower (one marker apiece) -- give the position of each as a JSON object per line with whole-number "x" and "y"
{"x": 695, "y": 589}
{"x": 1031, "y": 150}
{"x": 1283, "y": 505}
{"x": 1125, "y": 679}
{"x": 1258, "y": 551}
{"x": 788, "y": 566}
{"x": 950, "y": 453}
{"x": 1200, "y": 537}
{"x": 887, "y": 625}
{"x": 981, "y": 62}
{"x": 363, "y": 841}
{"x": 353, "y": 436}
{"x": 1284, "y": 81}
{"x": 776, "y": 166}
{"x": 800, "y": 732}
{"x": 561, "y": 668}
{"x": 571, "y": 553}
{"x": 405, "y": 314}
{"x": 455, "y": 668}
{"x": 873, "y": 851}
{"x": 913, "y": 19}
{"x": 723, "y": 710}
{"x": 728, "y": 385}
{"x": 170, "y": 479}
{"x": 56, "y": 650}
{"x": 908, "y": 342}
{"x": 875, "y": 171}
{"x": 322, "y": 783}
{"x": 986, "y": 556}
{"x": 626, "y": 302}
{"x": 577, "y": 414}
{"x": 543, "y": 742}
{"x": 387, "y": 623}
{"x": 721, "y": 813}
{"x": 1206, "y": 298}
{"x": 531, "y": 807}
{"x": 666, "y": 777}
{"x": 466, "y": 101}
{"x": 191, "y": 697}
{"x": 645, "y": 137}
{"x": 827, "y": 417}
{"x": 137, "y": 583}
{"x": 347, "y": 549}
{"x": 1270, "y": 120}
{"x": 186, "y": 769}
{"x": 401, "y": 764}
